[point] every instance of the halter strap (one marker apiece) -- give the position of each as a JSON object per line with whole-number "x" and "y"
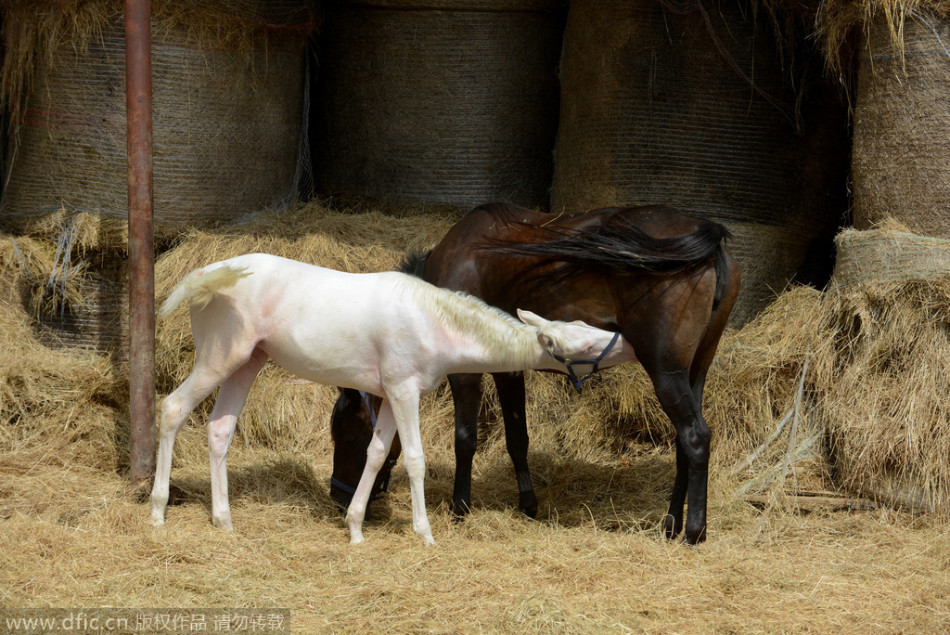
{"x": 594, "y": 363}
{"x": 369, "y": 406}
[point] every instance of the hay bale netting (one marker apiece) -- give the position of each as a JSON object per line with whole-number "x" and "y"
{"x": 901, "y": 155}
{"x": 451, "y": 101}
{"x": 687, "y": 103}
{"x": 228, "y": 117}
{"x": 884, "y": 396}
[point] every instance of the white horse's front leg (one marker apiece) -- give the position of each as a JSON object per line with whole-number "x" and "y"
{"x": 406, "y": 412}
{"x": 376, "y": 454}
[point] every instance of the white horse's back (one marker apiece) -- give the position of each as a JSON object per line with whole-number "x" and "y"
{"x": 320, "y": 324}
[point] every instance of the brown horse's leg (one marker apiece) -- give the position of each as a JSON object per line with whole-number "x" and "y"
{"x": 511, "y": 397}
{"x": 467, "y": 397}
{"x": 677, "y": 398}
{"x": 673, "y": 523}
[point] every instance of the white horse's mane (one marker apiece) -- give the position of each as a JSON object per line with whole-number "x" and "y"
{"x": 466, "y": 313}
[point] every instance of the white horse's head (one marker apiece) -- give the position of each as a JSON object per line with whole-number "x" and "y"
{"x": 568, "y": 340}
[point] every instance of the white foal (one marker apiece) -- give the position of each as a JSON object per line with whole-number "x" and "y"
{"x": 388, "y": 334}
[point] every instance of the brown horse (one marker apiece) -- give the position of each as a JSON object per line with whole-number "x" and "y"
{"x": 659, "y": 276}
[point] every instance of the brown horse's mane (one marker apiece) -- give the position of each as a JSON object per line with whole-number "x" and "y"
{"x": 621, "y": 246}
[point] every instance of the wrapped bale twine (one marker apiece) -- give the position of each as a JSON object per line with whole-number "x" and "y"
{"x": 447, "y": 101}
{"x": 687, "y": 103}
{"x": 901, "y": 154}
{"x": 883, "y": 393}
{"x": 886, "y": 255}
{"x": 228, "y": 117}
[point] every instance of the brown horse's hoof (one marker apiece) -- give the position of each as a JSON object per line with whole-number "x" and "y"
{"x": 695, "y": 537}
{"x": 529, "y": 506}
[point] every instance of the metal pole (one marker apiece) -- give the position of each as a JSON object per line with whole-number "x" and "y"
{"x": 138, "y": 84}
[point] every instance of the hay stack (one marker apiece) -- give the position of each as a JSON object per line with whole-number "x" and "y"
{"x": 884, "y": 401}
{"x": 687, "y": 103}
{"x": 227, "y": 104}
{"x": 449, "y": 101}
{"x": 901, "y": 168}
{"x": 228, "y": 99}
{"x": 53, "y": 403}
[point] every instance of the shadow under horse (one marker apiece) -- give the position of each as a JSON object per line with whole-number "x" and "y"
{"x": 660, "y": 276}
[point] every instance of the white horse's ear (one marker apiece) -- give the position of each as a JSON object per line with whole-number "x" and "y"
{"x": 548, "y": 343}
{"x": 531, "y": 319}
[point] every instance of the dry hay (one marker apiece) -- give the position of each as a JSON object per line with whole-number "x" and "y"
{"x": 73, "y": 280}
{"x": 885, "y": 407}
{"x": 839, "y": 24}
{"x": 887, "y": 416}
{"x": 55, "y": 406}
{"x": 72, "y": 535}
{"x": 887, "y": 254}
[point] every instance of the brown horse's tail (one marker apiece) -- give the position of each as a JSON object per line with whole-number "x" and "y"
{"x": 722, "y": 275}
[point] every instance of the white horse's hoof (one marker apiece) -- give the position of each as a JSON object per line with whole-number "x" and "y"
{"x": 357, "y": 539}
{"x": 157, "y": 521}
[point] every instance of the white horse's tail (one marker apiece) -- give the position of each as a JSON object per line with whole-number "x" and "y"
{"x": 199, "y": 287}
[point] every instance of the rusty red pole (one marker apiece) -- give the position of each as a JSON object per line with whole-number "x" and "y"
{"x": 138, "y": 87}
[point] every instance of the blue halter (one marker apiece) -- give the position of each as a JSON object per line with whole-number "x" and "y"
{"x": 594, "y": 363}
{"x": 384, "y": 487}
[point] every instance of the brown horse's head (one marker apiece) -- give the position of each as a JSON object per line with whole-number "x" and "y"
{"x": 351, "y": 426}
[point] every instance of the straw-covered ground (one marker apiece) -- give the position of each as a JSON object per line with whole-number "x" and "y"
{"x": 73, "y": 534}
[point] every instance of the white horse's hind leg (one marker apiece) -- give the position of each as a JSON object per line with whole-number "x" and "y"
{"x": 174, "y": 409}
{"x": 376, "y": 454}
{"x": 221, "y": 427}
{"x": 406, "y": 412}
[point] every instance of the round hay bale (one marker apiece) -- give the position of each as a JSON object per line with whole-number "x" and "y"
{"x": 889, "y": 254}
{"x": 901, "y": 155}
{"x": 227, "y": 118}
{"x": 228, "y": 115}
{"x": 75, "y": 292}
{"x": 98, "y": 318}
{"x": 447, "y": 101}
{"x": 687, "y": 103}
